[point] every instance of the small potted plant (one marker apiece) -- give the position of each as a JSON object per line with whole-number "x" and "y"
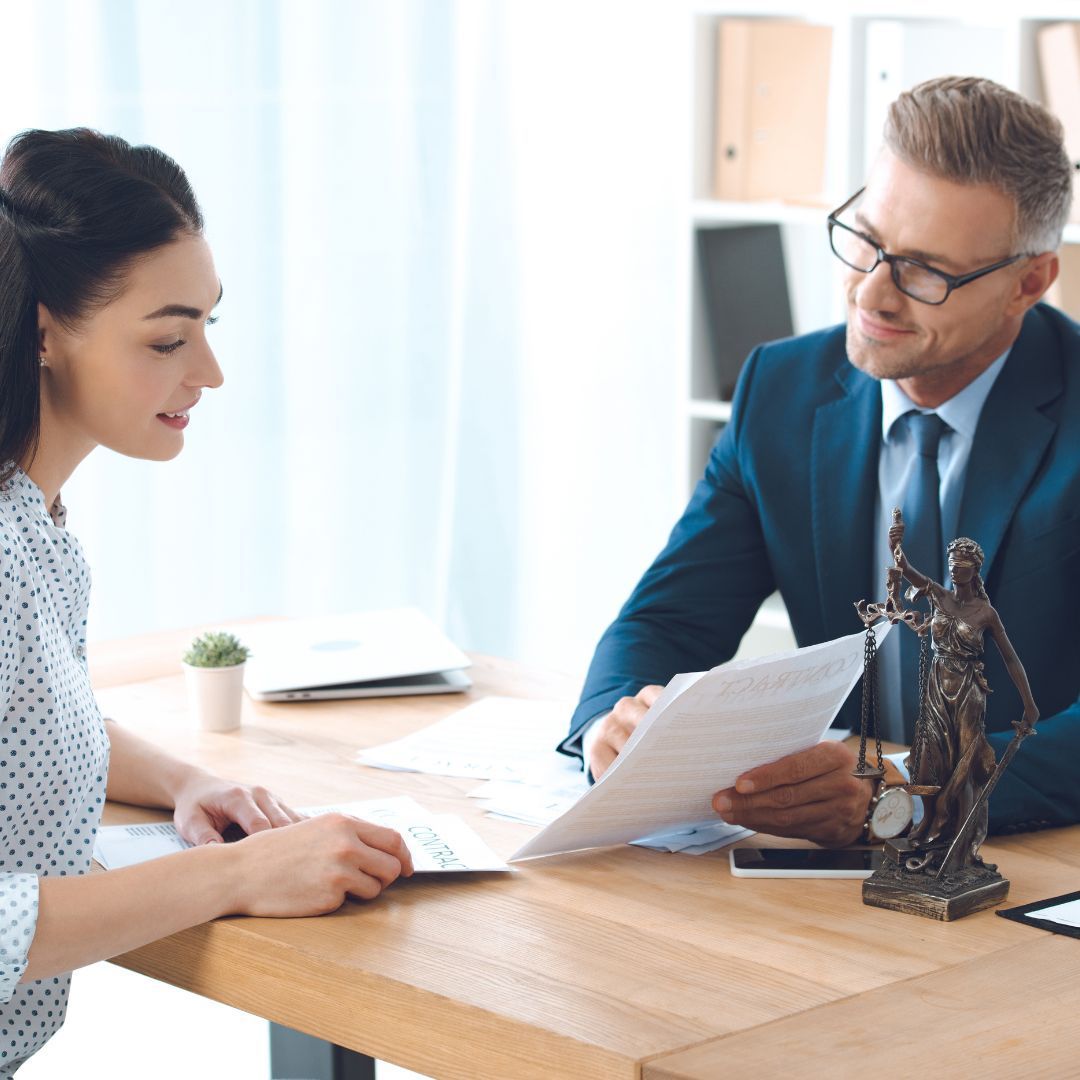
{"x": 214, "y": 671}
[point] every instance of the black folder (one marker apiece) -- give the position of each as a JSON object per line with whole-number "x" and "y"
{"x": 746, "y": 294}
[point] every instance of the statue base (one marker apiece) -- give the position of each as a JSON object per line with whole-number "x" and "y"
{"x": 918, "y": 892}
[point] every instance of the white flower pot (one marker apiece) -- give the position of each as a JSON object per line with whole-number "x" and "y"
{"x": 215, "y": 696}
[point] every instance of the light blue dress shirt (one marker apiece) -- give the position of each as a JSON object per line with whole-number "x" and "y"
{"x": 961, "y": 412}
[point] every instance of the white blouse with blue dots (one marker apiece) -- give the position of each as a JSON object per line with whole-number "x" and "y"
{"x": 54, "y": 750}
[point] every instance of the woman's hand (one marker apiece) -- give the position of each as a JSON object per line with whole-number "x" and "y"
{"x": 206, "y": 805}
{"x": 311, "y": 867}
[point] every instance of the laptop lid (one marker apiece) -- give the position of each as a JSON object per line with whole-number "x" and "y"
{"x": 333, "y": 650}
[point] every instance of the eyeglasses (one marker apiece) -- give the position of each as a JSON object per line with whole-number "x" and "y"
{"x": 912, "y": 277}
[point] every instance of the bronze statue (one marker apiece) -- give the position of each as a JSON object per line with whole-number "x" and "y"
{"x": 937, "y": 870}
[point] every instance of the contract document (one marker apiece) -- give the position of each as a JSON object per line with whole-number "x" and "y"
{"x": 704, "y": 731}
{"x": 438, "y": 843}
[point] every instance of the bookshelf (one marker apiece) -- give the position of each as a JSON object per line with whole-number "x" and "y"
{"x": 877, "y": 50}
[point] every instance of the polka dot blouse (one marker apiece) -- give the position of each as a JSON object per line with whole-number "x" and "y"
{"x": 54, "y": 749}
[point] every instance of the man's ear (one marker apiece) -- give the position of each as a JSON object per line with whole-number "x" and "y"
{"x": 1034, "y": 280}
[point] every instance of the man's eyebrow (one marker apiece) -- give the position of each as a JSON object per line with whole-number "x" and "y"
{"x": 921, "y": 256}
{"x": 182, "y": 311}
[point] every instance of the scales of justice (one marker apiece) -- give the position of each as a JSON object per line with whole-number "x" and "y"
{"x": 936, "y": 870}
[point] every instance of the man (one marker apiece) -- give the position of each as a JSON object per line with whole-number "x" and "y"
{"x": 948, "y": 250}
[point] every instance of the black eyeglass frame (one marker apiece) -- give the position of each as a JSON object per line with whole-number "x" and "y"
{"x": 952, "y": 281}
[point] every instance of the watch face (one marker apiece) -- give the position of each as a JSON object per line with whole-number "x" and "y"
{"x": 892, "y": 815}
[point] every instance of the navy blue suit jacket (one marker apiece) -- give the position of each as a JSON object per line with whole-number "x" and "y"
{"x": 788, "y": 500}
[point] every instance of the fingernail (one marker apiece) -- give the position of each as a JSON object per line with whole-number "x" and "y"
{"x": 744, "y": 787}
{"x": 723, "y": 803}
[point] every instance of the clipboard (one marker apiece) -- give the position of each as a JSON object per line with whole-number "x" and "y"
{"x": 1022, "y": 914}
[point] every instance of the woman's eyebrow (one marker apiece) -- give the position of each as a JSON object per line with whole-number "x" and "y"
{"x": 182, "y": 311}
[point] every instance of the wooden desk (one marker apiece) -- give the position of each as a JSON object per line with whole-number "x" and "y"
{"x": 597, "y": 964}
{"x": 1008, "y": 1013}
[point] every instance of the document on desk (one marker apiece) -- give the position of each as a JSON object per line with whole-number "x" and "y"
{"x": 438, "y": 843}
{"x": 1066, "y": 914}
{"x": 704, "y": 731}
{"x": 498, "y": 738}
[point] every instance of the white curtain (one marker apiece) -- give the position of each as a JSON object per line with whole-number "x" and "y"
{"x": 453, "y": 239}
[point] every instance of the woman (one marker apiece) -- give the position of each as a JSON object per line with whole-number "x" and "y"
{"x": 106, "y": 287}
{"x": 950, "y": 749}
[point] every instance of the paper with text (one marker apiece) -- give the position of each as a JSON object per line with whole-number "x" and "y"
{"x": 438, "y": 843}
{"x": 704, "y": 731}
{"x": 116, "y": 846}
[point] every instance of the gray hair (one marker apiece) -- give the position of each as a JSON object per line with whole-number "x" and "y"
{"x": 974, "y": 131}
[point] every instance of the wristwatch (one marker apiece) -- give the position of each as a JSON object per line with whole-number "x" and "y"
{"x": 888, "y": 815}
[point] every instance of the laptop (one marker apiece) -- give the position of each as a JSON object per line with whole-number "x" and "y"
{"x": 366, "y": 654}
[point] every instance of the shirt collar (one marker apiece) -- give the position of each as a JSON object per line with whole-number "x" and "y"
{"x": 960, "y": 412}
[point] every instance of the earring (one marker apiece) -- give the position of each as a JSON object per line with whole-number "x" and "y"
{"x": 42, "y": 361}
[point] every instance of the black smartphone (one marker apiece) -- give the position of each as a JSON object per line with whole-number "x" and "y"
{"x": 805, "y": 862}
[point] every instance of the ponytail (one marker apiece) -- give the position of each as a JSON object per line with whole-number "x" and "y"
{"x": 20, "y": 372}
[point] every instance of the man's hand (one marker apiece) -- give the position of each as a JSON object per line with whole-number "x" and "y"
{"x": 618, "y": 726}
{"x": 206, "y": 806}
{"x": 811, "y": 794}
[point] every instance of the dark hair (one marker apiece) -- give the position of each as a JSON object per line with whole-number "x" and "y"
{"x": 76, "y": 208}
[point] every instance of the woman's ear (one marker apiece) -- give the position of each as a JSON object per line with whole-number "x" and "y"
{"x": 47, "y": 333}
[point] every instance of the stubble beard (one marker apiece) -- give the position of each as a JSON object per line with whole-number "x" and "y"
{"x": 881, "y": 360}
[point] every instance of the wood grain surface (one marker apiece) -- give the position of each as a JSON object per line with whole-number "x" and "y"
{"x": 1011, "y": 1013}
{"x": 585, "y": 965}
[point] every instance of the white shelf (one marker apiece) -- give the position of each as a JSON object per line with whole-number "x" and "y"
{"x": 720, "y": 212}
{"x": 994, "y": 13}
{"x": 994, "y": 39}
{"x": 720, "y": 411}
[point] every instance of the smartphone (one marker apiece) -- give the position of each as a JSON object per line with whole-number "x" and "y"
{"x": 805, "y": 862}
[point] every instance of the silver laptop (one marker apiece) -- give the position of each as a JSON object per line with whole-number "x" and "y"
{"x": 366, "y": 654}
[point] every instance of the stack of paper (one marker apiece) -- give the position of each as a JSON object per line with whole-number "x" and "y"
{"x": 508, "y": 742}
{"x": 497, "y": 738}
{"x": 531, "y": 804}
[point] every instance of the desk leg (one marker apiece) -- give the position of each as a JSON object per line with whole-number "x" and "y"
{"x": 295, "y": 1056}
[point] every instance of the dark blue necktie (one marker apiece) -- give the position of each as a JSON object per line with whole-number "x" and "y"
{"x": 922, "y": 543}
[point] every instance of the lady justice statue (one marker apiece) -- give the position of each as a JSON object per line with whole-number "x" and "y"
{"x": 936, "y": 870}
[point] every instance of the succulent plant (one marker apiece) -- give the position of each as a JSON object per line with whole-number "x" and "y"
{"x": 213, "y": 650}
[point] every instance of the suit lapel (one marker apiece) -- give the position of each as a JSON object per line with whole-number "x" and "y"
{"x": 844, "y": 460}
{"x": 1011, "y": 437}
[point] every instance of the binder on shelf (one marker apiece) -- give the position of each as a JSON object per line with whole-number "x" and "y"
{"x": 746, "y": 294}
{"x": 1059, "y": 65}
{"x": 772, "y": 91}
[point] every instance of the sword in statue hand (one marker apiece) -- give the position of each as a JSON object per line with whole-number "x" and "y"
{"x": 952, "y": 856}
